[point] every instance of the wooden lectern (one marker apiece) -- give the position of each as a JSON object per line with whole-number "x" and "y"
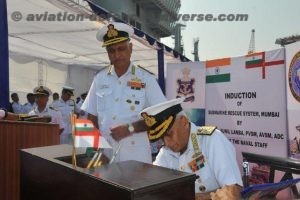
{"x": 47, "y": 174}
{"x": 13, "y": 137}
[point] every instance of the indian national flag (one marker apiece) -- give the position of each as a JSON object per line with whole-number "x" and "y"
{"x": 254, "y": 60}
{"x": 218, "y": 75}
{"x": 86, "y": 135}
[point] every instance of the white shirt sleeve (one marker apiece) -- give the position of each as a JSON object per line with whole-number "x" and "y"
{"x": 222, "y": 159}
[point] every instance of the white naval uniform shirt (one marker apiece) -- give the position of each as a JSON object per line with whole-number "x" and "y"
{"x": 65, "y": 109}
{"x": 220, "y": 166}
{"x": 56, "y": 117}
{"x": 115, "y": 103}
{"x": 54, "y": 104}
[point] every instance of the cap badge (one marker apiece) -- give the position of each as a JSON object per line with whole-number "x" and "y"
{"x": 41, "y": 89}
{"x": 112, "y": 32}
{"x": 150, "y": 121}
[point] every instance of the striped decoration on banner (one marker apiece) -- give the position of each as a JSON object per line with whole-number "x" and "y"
{"x": 254, "y": 60}
{"x": 258, "y": 59}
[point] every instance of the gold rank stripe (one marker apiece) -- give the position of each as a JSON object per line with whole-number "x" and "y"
{"x": 206, "y": 130}
{"x": 160, "y": 130}
{"x": 195, "y": 144}
{"x": 113, "y": 41}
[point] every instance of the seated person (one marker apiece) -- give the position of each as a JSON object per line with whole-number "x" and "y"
{"x": 204, "y": 151}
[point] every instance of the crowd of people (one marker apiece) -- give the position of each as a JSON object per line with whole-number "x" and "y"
{"x": 127, "y": 105}
{"x": 17, "y": 107}
{"x": 59, "y": 109}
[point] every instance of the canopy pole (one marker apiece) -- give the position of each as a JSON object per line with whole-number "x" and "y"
{"x": 161, "y": 72}
{"x": 4, "y": 62}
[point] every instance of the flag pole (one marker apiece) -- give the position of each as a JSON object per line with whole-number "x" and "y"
{"x": 97, "y": 161}
{"x": 93, "y": 159}
{"x": 115, "y": 154}
{"x": 73, "y": 118}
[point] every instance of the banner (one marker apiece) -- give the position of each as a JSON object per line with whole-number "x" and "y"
{"x": 293, "y": 97}
{"x": 187, "y": 80}
{"x": 245, "y": 99}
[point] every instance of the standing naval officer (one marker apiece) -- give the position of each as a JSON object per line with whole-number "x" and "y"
{"x": 82, "y": 114}
{"x": 204, "y": 151}
{"x": 118, "y": 93}
{"x": 41, "y": 94}
{"x": 66, "y": 106}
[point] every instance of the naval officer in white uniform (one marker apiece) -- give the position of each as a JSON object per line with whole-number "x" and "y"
{"x": 41, "y": 94}
{"x": 117, "y": 95}
{"x": 66, "y": 106}
{"x": 204, "y": 151}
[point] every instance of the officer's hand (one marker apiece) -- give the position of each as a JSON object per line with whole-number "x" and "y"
{"x": 120, "y": 132}
{"x": 202, "y": 196}
{"x": 232, "y": 192}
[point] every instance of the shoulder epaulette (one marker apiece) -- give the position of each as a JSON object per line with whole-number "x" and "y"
{"x": 52, "y": 108}
{"x": 206, "y": 130}
{"x": 145, "y": 69}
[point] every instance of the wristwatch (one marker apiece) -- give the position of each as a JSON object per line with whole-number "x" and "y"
{"x": 130, "y": 128}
